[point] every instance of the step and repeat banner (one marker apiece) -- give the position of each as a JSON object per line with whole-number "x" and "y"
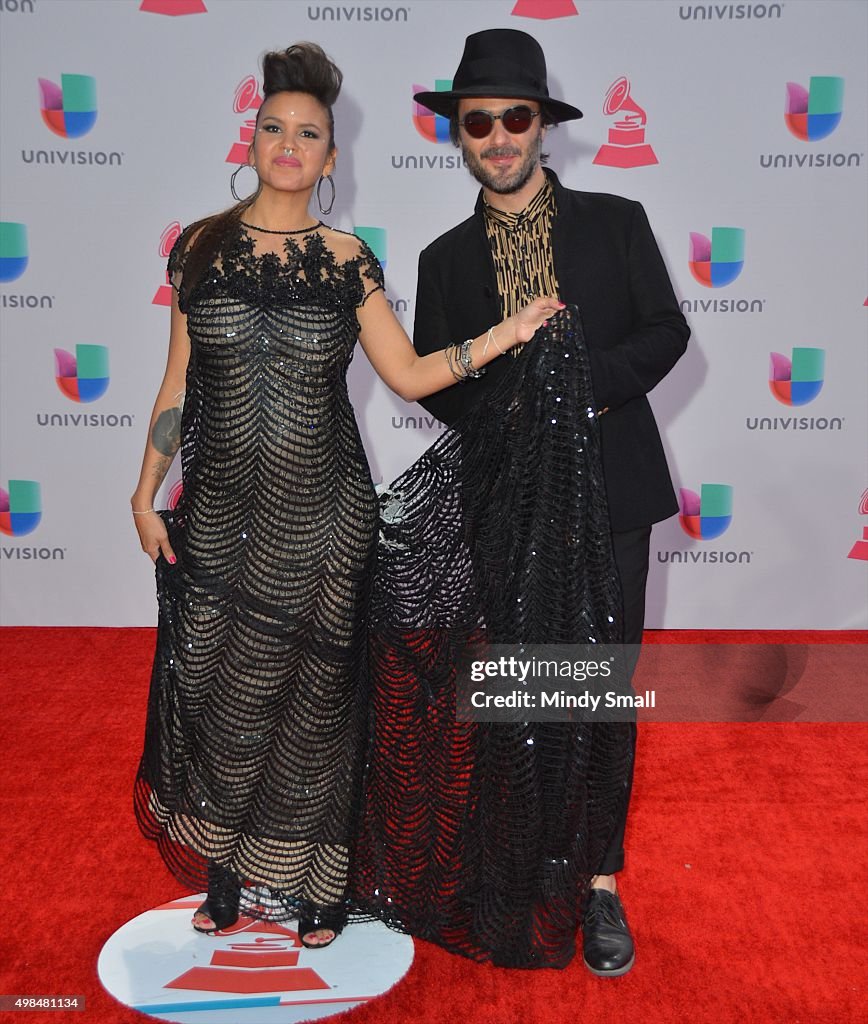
{"x": 741, "y": 127}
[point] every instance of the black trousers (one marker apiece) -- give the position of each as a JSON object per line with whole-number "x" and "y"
{"x": 631, "y": 558}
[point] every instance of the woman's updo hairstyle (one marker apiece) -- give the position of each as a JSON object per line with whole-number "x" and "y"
{"x": 304, "y": 67}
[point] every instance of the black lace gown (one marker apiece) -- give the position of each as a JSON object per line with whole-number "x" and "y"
{"x": 256, "y": 721}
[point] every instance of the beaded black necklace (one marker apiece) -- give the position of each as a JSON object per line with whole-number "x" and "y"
{"x": 272, "y": 231}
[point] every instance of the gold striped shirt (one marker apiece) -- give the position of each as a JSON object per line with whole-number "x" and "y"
{"x": 521, "y": 248}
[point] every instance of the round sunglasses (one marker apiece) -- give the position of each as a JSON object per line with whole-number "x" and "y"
{"x": 516, "y": 120}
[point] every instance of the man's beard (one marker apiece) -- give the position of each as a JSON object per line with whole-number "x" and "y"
{"x": 499, "y": 182}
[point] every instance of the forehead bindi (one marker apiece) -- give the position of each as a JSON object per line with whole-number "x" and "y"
{"x": 294, "y": 108}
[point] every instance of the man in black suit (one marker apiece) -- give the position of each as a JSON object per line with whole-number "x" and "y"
{"x": 530, "y": 236}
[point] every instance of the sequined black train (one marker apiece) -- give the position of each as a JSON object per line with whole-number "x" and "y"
{"x": 484, "y": 838}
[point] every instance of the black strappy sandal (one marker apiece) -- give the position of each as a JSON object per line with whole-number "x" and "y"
{"x": 330, "y": 919}
{"x": 224, "y": 894}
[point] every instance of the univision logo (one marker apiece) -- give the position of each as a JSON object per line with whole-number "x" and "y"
{"x": 717, "y": 261}
{"x": 375, "y": 238}
{"x": 69, "y": 109}
{"x": 728, "y": 12}
{"x": 417, "y": 423}
{"x": 20, "y": 508}
{"x": 706, "y": 515}
{"x": 20, "y": 514}
{"x": 343, "y": 12}
{"x": 797, "y": 380}
{"x": 14, "y": 255}
{"x": 83, "y": 377}
{"x": 14, "y": 258}
{"x": 431, "y": 126}
{"x": 812, "y": 114}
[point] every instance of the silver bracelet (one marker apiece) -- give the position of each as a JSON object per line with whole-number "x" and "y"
{"x": 455, "y": 368}
{"x": 466, "y": 360}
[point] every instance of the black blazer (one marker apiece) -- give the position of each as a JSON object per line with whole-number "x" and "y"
{"x": 608, "y": 264}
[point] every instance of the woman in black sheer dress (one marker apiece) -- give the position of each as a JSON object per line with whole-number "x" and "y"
{"x": 257, "y": 717}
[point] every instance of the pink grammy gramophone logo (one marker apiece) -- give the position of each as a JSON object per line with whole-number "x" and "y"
{"x": 246, "y": 98}
{"x": 174, "y": 8}
{"x": 626, "y": 146}
{"x": 544, "y": 9}
{"x": 163, "y": 295}
{"x": 174, "y": 495}
{"x": 860, "y": 548}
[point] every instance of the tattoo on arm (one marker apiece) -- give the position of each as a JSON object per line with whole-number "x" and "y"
{"x": 160, "y": 468}
{"x": 166, "y": 433}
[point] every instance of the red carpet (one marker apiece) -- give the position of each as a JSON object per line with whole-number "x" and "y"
{"x": 746, "y": 851}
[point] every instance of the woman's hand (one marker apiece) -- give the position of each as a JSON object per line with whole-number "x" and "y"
{"x": 153, "y": 536}
{"x": 527, "y": 321}
{"x": 413, "y": 376}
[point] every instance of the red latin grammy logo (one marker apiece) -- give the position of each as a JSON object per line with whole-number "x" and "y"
{"x": 544, "y": 9}
{"x": 163, "y": 295}
{"x": 246, "y": 98}
{"x": 174, "y": 495}
{"x": 626, "y": 146}
{"x": 267, "y": 962}
{"x": 860, "y": 548}
{"x": 252, "y": 970}
{"x": 173, "y": 8}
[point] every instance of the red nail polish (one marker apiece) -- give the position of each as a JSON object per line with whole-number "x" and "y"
{"x": 172, "y": 559}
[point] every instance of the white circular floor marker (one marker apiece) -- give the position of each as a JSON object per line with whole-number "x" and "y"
{"x": 255, "y": 972}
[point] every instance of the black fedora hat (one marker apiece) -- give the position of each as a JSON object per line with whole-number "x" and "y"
{"x": 500, "y": 62}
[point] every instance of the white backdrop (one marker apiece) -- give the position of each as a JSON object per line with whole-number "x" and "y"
{"x": 147, "y": 145}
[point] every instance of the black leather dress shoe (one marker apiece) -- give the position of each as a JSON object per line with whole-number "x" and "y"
{"x": 607, "y": 942}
